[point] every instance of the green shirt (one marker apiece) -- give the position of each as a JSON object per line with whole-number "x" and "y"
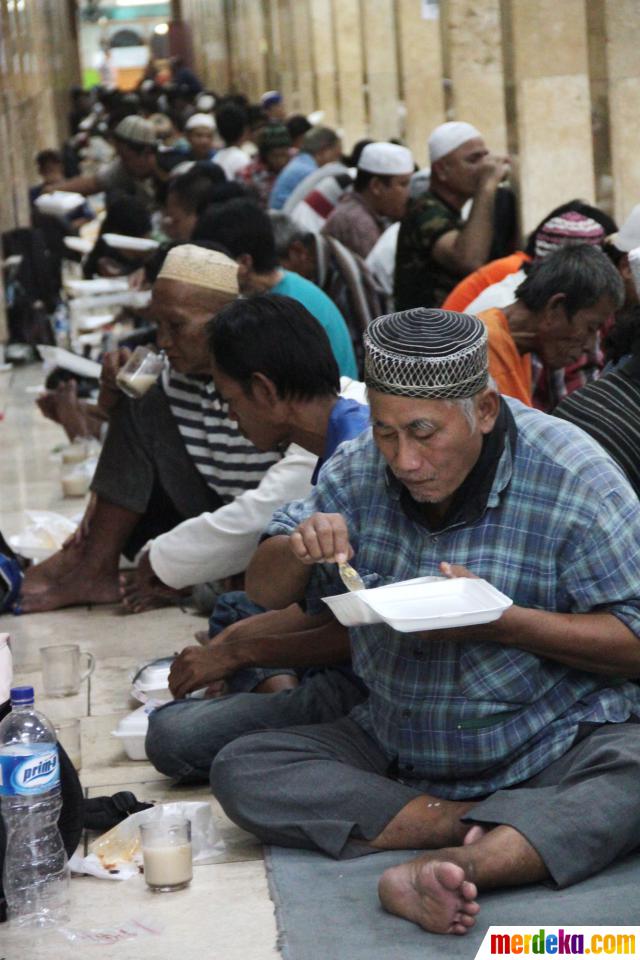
{"x": 420, "y": 281}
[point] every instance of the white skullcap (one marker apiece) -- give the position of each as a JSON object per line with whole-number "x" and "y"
{"x": 200, "y": 267}
{"x": 205, "y": 102}
{"x": 448, "y": 137}
{"x": 200, "y": 120}
{"x": 386, "y": 158}
{"x": 628, "y": 236}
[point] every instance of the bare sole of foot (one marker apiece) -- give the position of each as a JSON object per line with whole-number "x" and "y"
{"x": 72, "y": 590}
{"x": 432, "y": 893}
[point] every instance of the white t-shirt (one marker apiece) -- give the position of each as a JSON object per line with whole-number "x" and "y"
{"x": 382, "y": 258}
{"x": 498, "y": 294}
{"x": 218, "y": 544}
{"x": 232, "y": 160}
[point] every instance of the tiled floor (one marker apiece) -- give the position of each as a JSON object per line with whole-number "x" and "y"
{"x": 226, "y": 913}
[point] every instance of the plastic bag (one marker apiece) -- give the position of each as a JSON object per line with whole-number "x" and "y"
{"x": 116, "y": 855}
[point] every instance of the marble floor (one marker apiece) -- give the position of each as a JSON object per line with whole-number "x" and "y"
{"x": 226, "y": 913}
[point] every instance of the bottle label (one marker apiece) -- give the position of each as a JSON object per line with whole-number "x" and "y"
{"x": 27, "y": 776}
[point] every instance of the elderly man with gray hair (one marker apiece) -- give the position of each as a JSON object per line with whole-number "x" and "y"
{"x": 508, "y": 751}
{"x": 339, "y": 272}
{"x": 171, "y": 459}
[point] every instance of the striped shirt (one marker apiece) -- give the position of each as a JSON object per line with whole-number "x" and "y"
{"x": 559, "y": 530}
{"x": 609, "y": 410}
{"x": 229, "y": 464}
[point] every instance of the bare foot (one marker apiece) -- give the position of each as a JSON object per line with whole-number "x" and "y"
{"x": 138, "y": 596}
{"x": 44, "y": 575}
{"x": 474, "y": 834}
{"x": 432, "y": 893}
{"x": 76, "y": 588}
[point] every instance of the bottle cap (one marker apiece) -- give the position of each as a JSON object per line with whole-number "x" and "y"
{"x": 20, "y": 696}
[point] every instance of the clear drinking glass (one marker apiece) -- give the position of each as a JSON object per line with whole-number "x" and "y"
{"x": 61, "y": 669}
{"x": 68, "y": 734}
{"x": 140, "y": 372}
{"x": 166, "y": 853}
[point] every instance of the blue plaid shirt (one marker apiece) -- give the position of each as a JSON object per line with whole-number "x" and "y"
{"x": 560, "y": 532}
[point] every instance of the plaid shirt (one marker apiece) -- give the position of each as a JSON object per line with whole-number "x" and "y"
{"x": 560, "y": 531}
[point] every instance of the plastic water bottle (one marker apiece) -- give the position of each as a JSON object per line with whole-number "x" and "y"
{"x": 36, "y": 872}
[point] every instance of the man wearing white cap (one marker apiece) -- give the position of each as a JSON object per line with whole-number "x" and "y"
{"x": 169, "y": 456}
{"x": 435, "y": 247}
{"x": 380, "y": 194}
{"x": 199, "y": 130}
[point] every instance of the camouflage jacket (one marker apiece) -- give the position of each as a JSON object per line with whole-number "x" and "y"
{"x": 419, "y": 280}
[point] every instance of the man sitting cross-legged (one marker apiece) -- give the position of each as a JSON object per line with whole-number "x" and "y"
{"x": 273, "y": 365}
{"x": 509, "y": 751}
{"x": 173, "y": 454}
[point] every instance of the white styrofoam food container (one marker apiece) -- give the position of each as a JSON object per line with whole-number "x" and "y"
{"x": 58, "y": 203}
{"x": 432, "y": 603}
{"x": 123, "y": 242}
{"x": 78, "y": 244}
{"x": 132, "y": 731}
{"x": 97, "y": 285}
{"x": 151, "y": 680}
{"x": 350, "y": 609}
{"x": 59, "y": 357}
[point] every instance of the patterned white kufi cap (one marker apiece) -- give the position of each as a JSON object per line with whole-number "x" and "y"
{"x": 433, "y": 354}
{"x": 200, "y": 267}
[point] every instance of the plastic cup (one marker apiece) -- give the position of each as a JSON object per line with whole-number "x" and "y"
{"x": 68, "y": 733}
{"x": 140, "y": 372}
{"x": 61, "y": 669}
{"x": 167, "y": 854}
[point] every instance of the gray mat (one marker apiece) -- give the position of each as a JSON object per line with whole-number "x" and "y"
{"x": 328, "y": 910}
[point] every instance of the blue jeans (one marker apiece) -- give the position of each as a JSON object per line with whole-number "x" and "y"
{"x": 185, "y": 736}
{"x": 231, "y": 607}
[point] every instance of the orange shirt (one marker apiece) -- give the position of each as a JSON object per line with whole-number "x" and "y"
{"x": 510, "y": 370}
{"x": 473, "y": 284}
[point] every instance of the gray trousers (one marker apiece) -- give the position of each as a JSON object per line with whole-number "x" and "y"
{"x": 144, "y": 467}
{"x": 185, "y": 736}
{"x": 328, "y": 787}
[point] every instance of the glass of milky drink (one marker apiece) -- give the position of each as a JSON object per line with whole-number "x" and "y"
{"x": 166, "y": 854}
{"x": 140, "y": 372}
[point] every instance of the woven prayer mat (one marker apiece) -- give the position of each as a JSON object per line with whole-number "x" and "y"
{"x": 328, "y": 910}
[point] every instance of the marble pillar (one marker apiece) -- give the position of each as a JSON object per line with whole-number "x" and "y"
{"x": 288, "y": 85}
{"x": 347, "y": 24}
{"x": 473, "y": 34}
{"x": 553, "y": 110}
{"x": 273, "y": 47}
{"x": 256, "y": 49}
{"x": 421, "y": 76}
{"x": 324, "y": 59}
{"x": 622, "y": 26}
{"x": 379, "y": 26}
{"x": 599, "y": 91}
{"x": 303, "y": 56}
{"x": 213, "y": 43}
